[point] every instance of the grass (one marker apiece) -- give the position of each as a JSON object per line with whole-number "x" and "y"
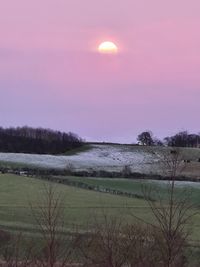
{"x": 75, "y": 151}
{"x": 191, "y": 171}
{"x": 135, "y": 186}
{"x": 17, "y": 165}
{"x": 158, "y": 189}
{"x": 17, "y": 192}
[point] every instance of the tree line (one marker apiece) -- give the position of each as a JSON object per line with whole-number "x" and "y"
{"x": 37, "y": 140}
{"x": 181, "y": 139}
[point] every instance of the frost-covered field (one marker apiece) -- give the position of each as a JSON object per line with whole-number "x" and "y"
{"x": 107, "y": 157}
{"x": 99, "y": 157}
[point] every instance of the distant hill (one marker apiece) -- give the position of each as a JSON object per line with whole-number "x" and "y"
{"x": 110, "y": 158}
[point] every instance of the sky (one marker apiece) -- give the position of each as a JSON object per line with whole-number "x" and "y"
{"x": 52, "y": 75}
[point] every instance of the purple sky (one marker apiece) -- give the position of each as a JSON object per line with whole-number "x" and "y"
{"x": 51, "y": 74}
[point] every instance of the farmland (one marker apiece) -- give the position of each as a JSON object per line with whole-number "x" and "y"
{"x": 16, "y": 194}
{"x": 96, "y": 157}
{"x": 88, "y": 198}
{"x": 80, "y": 205}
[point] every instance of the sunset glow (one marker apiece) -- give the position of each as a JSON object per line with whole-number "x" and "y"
{"x": 108, "y": 47}
{"x": 106, "y": 69}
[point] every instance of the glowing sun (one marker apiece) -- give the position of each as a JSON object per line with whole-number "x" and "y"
{"x": 108, "y": 48}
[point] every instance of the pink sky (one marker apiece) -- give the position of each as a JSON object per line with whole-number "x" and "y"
{"x": 51, "y": 74}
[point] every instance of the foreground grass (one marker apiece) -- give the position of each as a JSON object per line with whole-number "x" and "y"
{"x": 158, "y": 189}
{"x": 16, "y": 194}
{"x": 81, "y": 206}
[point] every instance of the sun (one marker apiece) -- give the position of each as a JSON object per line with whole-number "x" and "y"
{"x": 108, "y": 47}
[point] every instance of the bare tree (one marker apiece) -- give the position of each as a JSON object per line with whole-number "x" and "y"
{"x": 15, "y": 254}
{"x": 172, "y": 213}
{"x": 115, "y": 243}
{"x": 49, "y": 217}
{"x": 101, "y": 245}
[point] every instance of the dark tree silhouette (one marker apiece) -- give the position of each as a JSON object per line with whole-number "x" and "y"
{"x": 37, "y": 140}
{"x": 146, "y": 138}
{"x": 183, "y": 139}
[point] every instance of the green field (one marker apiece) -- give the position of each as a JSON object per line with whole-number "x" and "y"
{"x": 17, "y": 192}
{"x": 136, "y": 186}
{"x": 81, "y": 206}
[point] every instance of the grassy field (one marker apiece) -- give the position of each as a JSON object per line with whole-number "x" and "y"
{"x": 159, "y": 188}
{"x": 136, "y": 186}
{"x": 107, "y": 157}
{"x": 75, "y": 151}
{"x": 17, "y": 192}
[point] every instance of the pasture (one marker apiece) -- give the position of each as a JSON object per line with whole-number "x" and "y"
{"x": 107, "y": 157}
{"x": 80, "y": 205}
{"x": 17, "y": 193}
{"x": 136, "y": 186}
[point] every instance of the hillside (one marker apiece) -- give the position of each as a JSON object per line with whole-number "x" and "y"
{"x": 108, "y": 157}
